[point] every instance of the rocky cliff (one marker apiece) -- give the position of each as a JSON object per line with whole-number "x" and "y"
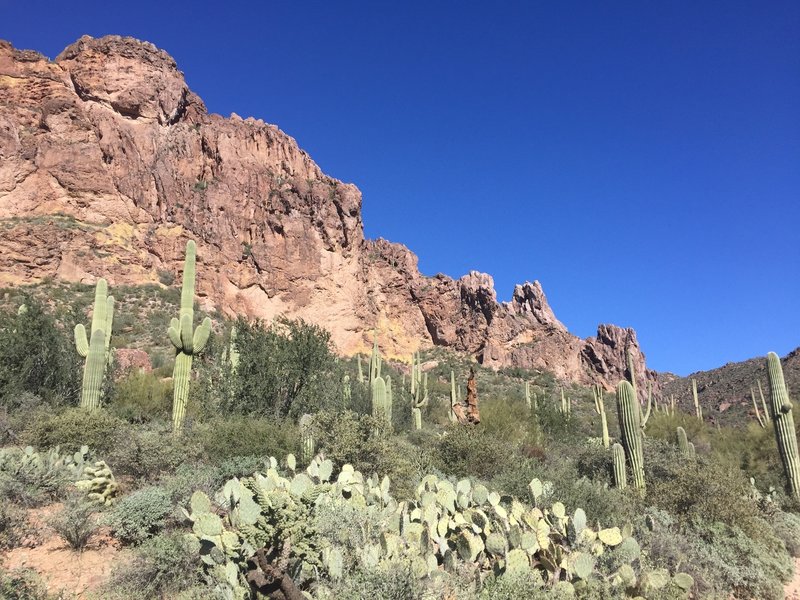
{"x": 109, "y": 163}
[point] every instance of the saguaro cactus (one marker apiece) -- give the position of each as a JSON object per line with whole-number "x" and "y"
{"x": 306, "y": 438}
{"x": 454, "y": 399}
{"x": 600, "y": 409}
{"x": 380, "y": 405}
{"x": 620, "y": 477}
{"x": 187, "y": 340}
{"x": 96, "y": 350}
{"x": 628, "y": 411}
{"x": 375, "y": 361}
{"x": 419, "y": 400}
{"x": 783, "y": 421}
{"x": 684, "y": 444}
{"x": 698, "y": 410}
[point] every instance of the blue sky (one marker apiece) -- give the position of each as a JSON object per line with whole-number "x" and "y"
{"x": 641, "y": 159}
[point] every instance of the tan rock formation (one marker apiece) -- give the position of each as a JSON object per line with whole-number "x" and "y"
{"x": 109, "y": 163}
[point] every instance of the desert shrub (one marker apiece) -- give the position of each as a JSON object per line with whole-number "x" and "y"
{"x": 30, "y": 482}
{"x": 75, "y": 522}
{"x": 285, "y": 369}
{"x": 366, "y": 443}
{"x": 22, "y": 584}
{"x": 787, "y": 527}
{"x": 74, "y": 428}
{"x": 141, "y": 397}
{"x": 698, "y": 489}
{"x": 189, "y": 477}
{"x": 245, "y": 436}
{"x": 37, "y": 356}
{"x": 164, "y": 566}
{"x": 471, "y": 451}
{"x": 146, "y": 454}
{"x": 394, "y": 581}
{"x": 140, "y": 515}
{"x": 748, "y": 568}
{"x": 14, "y": 527}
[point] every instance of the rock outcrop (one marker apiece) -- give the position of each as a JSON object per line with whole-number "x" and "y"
{"x": 109, "y": 163}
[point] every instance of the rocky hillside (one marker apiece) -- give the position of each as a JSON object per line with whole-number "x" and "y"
{"x": 725, "y": 391}
{"x": 109, "y": 163}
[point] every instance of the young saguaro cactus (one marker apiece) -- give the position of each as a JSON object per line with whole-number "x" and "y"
{"x": 783, "y": 422}
{"x": 419, "y": 400}
{"x": 600, "y": 409}
{"x": 620, "y": 477}
{"x": 698, "y": 410}
{"x": 188, "y": 341}
{"x": 628, "y": 411}
{"x": 454, "y": 398}
{"x": 683, "y": 443}
{"x": 96, "y": 349}
{"x": 381, "y": 408}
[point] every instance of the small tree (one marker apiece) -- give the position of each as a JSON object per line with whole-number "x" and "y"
{"x": 36, "y": 356}
{"x": 285, "y": 369}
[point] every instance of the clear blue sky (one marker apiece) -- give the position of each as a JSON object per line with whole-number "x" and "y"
{"x": 641, "y": 159}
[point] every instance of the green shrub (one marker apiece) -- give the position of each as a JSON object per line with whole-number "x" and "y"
{"x": 14, "y": 527}
{"x": 140, "y": 515}
{"x": 285, "y": 369}
{"x": 394, "y": 581}
{"x": 74, "y": 428}
{"x": 244, "y": 436}
{"x": 37, "y": 356}
{"x": 22, "y": 584}
{"x": 162, "y": 567}
{"x": 471, "y": 451}
{"x": 147, "y": 454}
{"x": 142, "y": 397}
{"x": 75, "y": 522}
{"x": 366, "y": 443}
{"x": 189, "y": 477}
{"x": 787, "y": 527}
{"x": 30, "y": 482}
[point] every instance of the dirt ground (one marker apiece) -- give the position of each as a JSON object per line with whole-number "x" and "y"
{"x": 64, "y": 569}
{"x": 792, "y": 589}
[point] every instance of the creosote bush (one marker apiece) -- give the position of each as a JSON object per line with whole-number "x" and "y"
{"x": 75, "y": 522}
{"x": 76, "y": 427}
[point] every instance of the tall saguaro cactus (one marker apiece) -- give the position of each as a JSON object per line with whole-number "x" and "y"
{"x": 783, "y": 421}
{"x": 187, "y": 340}
{"x": 628, "y": 411}
{"x": 419, "y": 400}
{"x": 454, "y": 399}
{"x": 96, "y": 349}
{"x": 381, "y": 407}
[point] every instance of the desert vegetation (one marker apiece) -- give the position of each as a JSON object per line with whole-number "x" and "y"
{"x": 258, "y": 463}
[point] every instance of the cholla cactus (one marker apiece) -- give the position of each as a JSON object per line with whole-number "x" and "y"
{"x": 783, "y": 422}
{"x": 96, "y": 350}
{"x": 188, "y": 341}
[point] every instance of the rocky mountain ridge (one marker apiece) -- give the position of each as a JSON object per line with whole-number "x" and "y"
{"x": 109, "y": 163}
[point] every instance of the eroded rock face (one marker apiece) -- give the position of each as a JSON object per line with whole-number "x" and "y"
{"x": 109, "y": 164}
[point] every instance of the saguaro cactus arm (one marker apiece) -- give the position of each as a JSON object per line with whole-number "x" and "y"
{"x": 81, "y": 343}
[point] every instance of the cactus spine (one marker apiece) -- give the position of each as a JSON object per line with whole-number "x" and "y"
{"x": 620, "y": 477}
{"x": 783, "y": 422}
{"x": 628, "y": 412}
{"x": 600, "y": 409}
{"x": 187, "y": 340}
{"x": 698, "y": 410}
{"x": 96, "y": 349}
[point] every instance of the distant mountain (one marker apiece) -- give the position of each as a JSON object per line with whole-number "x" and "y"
{"x": 110, "y": 163}
{"x": 725, "y": 392}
